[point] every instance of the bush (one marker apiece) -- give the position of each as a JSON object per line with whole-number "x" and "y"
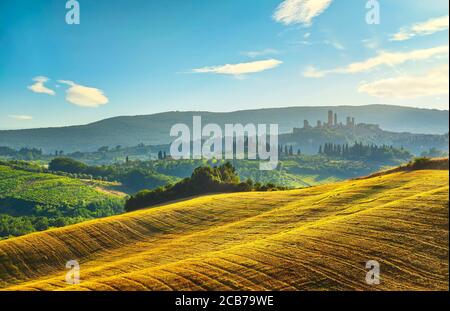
{"x": 67, "y": 165}
{"x": 420, "y": 163}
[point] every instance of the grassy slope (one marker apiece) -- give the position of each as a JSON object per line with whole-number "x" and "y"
{"x": 36, "y": 201}
{"x": 309, "y": 239}
{"x": 46, "y": 188}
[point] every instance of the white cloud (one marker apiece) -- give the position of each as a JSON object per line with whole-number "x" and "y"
{"x": 429, "y": 27}
{"x": 242, "y": 68}
{"x": 21, "y": 117}
{"x": 84, "y": 96}
{"x": 254, "y": 54}
{"x": 39, "y": 87}
{"x": 300, "y": 11}
{"x": 312, "y": 72}
{"x": 382, "y": 59}
{"x": 432, "y": 83}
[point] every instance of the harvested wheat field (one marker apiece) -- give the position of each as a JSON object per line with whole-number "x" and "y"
{"x": 317, "y": 238}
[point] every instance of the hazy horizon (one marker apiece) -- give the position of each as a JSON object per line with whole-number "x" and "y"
{"x": 153, "y": 56}
{"x": 200, "y": 111}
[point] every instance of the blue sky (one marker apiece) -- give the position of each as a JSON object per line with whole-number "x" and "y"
{"x": 147, "y": 56}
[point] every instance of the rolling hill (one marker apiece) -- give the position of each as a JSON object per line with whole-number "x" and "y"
{"x": 154, "y": 129}
{"x": 32, "y": 201}
{"x": 317, "y": 238}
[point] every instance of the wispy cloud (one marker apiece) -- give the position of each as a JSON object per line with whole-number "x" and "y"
{"x": 84, "y": 96}
{"x": 429, "y": 27}
{"x": 39, "y": 86}
{"x": 303, "y": 12}
{"x": 21, "y": 117}
{"x": 335, "y": 43}
{"x": 432, "y": 83}
{"x": 329, "y": 42}
{"x": 371, "y": 43}
{"x": 265, "y": 52}
{"x": 241, "y": 68}
{"x": 382, "y": 59}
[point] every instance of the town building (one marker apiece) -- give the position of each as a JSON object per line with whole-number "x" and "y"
{"x": 333, "y": 122}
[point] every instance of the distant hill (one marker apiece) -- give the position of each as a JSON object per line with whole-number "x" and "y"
{"x": 154, "y": 129}
{"x": 317, "y": 238}
{"x": 309, "y": 140}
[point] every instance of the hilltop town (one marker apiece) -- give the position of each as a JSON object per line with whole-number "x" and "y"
{"x": 309, "y": 138}
{"x": 333, "y": 122}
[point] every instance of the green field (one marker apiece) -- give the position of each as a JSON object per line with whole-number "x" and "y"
{"x": 31, "y": 201}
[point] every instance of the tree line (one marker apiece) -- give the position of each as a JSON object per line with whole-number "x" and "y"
{"x": 364, "y": 151}
{"x": 131, "y": 174}
{"x": 204, "y": 179}
{"x": 21, "y": 154}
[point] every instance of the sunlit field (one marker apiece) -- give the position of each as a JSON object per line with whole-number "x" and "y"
{"x": 317, "y": 238}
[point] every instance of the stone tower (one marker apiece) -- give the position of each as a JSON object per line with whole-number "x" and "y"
{"x": 330, "y": 118}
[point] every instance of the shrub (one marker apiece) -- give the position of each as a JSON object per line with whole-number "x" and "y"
{"x": 420, "y": 163}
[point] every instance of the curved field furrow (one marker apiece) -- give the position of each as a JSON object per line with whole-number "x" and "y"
{"x": 317, "y": 238}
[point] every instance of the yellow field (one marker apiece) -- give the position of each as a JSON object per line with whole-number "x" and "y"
{"x": 316, "y": 238}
